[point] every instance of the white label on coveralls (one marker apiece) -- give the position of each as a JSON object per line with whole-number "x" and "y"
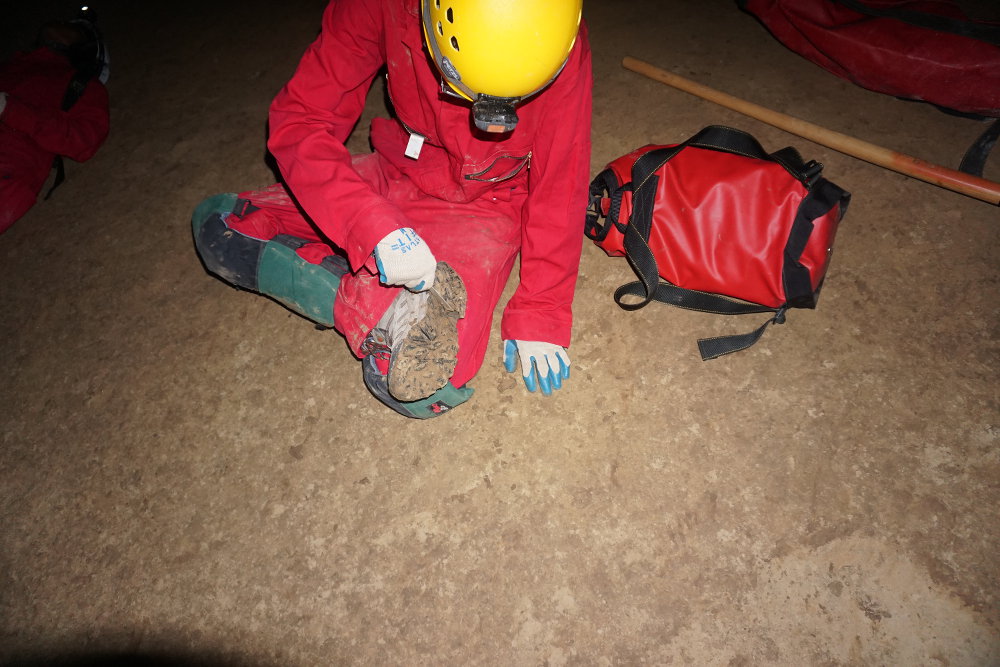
{"x": 414, "y": 145}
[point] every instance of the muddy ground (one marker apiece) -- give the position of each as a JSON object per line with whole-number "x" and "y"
{"x": 194, "y": 474}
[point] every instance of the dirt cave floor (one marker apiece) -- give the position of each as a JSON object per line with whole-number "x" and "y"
{"x": 191, "y": 474}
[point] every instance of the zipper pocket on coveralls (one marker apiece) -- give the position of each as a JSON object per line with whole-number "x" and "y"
{"x": 503, "y": 168}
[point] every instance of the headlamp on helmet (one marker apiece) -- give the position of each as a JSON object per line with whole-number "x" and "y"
{"x": 496, "y": 53}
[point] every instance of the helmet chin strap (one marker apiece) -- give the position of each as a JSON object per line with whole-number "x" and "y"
{"x": 495, "y": 115}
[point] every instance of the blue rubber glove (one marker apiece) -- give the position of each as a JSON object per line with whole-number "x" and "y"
{"x": 543, "y": 365}
{"x": 404, "y": 259}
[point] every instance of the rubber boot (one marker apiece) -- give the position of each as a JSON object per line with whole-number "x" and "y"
{"x": 271, "y": 268}
{"x": 435, "y": 405}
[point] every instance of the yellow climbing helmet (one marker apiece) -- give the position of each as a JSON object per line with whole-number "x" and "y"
{"x": 495, "y": 53}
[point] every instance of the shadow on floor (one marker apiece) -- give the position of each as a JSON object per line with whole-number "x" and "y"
{"x": 166, "y": 658}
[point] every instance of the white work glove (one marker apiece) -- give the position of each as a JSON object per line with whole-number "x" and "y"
{"x": 3, "y": 102}
{"x": 404, "y": 259}
{"x": 543, "y": 365}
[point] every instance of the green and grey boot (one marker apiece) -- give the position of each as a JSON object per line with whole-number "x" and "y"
{"x": 271, "y": 268}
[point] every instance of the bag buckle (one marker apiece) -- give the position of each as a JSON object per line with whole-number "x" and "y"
{"x": 592, "y": 228}
{"x": 779, "y": 315}
{"x": 811, "y": 171}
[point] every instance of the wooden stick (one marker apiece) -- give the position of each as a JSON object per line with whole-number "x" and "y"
{"x": 952, "y": 179}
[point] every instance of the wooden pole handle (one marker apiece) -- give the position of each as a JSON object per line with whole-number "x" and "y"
{"x": 952, "y": 179}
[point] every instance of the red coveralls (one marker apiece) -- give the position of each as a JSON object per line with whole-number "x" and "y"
{"x": 475, "y": 199}
{"x": 34, "y": 129}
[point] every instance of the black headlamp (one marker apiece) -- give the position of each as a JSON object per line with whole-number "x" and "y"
{"x": 495, "y": 114}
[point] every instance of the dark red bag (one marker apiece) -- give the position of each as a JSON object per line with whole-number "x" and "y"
{"x": 728, "y": 227}
{"x": 926, "y": 50}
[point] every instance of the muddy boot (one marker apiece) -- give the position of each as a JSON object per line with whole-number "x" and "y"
{"x": 441, "y": 401}
{"x": 420, "y": 329}
{"x": 271, "y": 267}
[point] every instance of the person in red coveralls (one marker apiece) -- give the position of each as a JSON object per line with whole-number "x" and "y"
{"x": 52, "y": 103}
{"x": 486, "y": 159}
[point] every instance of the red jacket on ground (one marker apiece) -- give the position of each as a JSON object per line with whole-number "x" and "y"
{"x": 34, "y": 129}
{"x": 313, "y": 115}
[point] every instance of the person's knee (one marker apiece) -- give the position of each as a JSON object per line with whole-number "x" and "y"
{"x": 227, "y": 253}
{"x": 273, "y": 267}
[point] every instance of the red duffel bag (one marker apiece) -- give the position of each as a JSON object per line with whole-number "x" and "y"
{"x": 926, "y": 50}
{"x": 717, "y": 224}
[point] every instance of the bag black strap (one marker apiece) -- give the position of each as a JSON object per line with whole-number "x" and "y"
{"x": 651, "y": 287}
{"x": 74, "y": 91}
{"x": 704, "y": 302}
{"x": 604, "y": 186}
{"x": 986, "y": 32}
{"x": 974, "y": 160}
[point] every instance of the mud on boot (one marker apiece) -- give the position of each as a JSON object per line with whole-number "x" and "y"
{"x": 423, "y": 337}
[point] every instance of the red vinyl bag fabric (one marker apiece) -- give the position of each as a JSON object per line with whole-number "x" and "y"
{"x": 926, "y": 50}
{"x": 717, "y": 224}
